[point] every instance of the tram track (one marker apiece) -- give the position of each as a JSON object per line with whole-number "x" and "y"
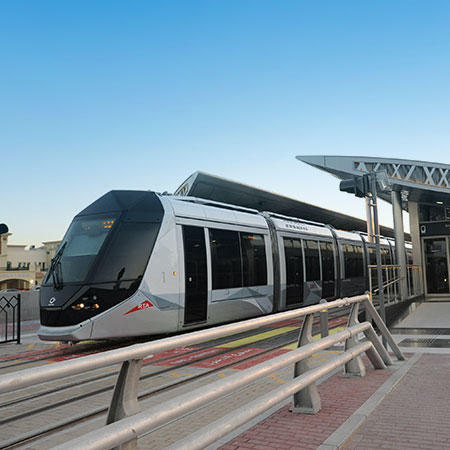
{"x": 147, "y": 361}
{"x": 77, "y": 350}
{"x": 144, "y": 395}
{"x": 113, "y": 373}
{"x": 55, "y": 427}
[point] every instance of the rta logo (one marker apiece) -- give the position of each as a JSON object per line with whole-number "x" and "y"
{"x": 144, "y": 305}
{"x": 52, "y": 301}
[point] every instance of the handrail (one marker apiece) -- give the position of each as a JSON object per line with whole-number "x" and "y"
{"x": 128, "y": 429}
{"x": 389, "y": 283}
{"x": 29, "y": 377}
{"x": 390, "y": 269}
{"x": 125, "y": 422}
{"x": 220, "y": 428}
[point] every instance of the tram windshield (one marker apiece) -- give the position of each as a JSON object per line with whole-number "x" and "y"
{"x": 78, "y": 249}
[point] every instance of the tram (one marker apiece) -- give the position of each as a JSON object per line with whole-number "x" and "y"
{"x": 139, "y": 263}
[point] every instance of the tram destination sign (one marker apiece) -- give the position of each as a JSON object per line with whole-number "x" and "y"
{"x": 434, "y": 229}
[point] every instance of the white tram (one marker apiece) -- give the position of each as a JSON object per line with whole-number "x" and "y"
{"x": 139, "y": 263}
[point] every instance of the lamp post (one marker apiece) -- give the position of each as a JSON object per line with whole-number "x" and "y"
{"x": 366, "y": 186}
{"x": 373, "y": 191}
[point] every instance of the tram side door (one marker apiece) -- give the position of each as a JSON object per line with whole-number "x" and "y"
{"x": 294, "y": 271}
{"x": 196, "y": 288}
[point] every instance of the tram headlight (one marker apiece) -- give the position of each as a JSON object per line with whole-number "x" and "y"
{"x": 78, "y": 306}
{"x": 86, "y": 304}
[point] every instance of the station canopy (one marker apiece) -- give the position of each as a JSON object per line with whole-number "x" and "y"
{"x": 418, "y": 181}
{"x": 211, "y": 187}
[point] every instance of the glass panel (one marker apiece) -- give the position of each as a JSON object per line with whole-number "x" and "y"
{"x": 294, "y": 271}
{"x": 312, "y": 263}
{"x": 326, "y": 252}
{"x": 127, "y": 254}
{"x": 372, "y": 256}
{"x": 436, "y": 266}
{"x": 253, "y": 259}
{"x": 409, "y": 259}
{"x": 353, "y": 261}
{"x": 226, "y": 259}
{"x": 82, "y": 242}
{"x": 195, "y": 308}
{"x": 431, "y": 213}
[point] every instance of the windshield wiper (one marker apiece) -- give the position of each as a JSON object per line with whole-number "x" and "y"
{"x": 55, "y": 268}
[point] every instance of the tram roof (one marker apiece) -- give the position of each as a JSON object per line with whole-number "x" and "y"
{"x": 219, "y": 189}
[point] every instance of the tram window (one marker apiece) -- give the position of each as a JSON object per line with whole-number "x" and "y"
{"x": 253, "y": 259}
{"x": 311, "y": 249}
{"x": 327, "y": 256}
{"x": 326, "y": 252}
{"x": 127, "y": 254}
{"x": 385, "y": 256}
{"x": 409, "y": 257}
{"x": 372, "y": 256}
{"x": 353, "y": 261}
{"x": 226, "y": 259}
{"x": 388, "y": 257}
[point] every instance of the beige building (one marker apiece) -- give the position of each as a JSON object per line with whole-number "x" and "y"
{"x": 23, "y": 267}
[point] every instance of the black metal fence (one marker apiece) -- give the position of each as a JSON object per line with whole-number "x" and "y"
{"x": 9, "y": 318}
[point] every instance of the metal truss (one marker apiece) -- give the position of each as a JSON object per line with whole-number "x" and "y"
{"x": 411, "y": 173}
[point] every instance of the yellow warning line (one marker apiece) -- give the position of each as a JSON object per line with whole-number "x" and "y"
{"x": 315, "y": 338}
{"x": 179, "y": 375}
{"x": 257, "y": 337}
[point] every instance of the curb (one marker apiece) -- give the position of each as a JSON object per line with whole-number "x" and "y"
{"x": 355, "y": 421}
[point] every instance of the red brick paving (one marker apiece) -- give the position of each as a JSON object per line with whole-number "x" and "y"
{"x": 284, "y": 430}
{"x": 415, "y": 415}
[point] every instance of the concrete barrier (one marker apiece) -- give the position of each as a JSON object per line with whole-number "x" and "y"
{"x": 30, "y": 305}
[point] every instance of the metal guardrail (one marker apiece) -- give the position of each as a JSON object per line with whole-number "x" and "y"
{"x": 124, "y": 421}
{"x": 10, "y": 308}
{"x": 392, "y": 279}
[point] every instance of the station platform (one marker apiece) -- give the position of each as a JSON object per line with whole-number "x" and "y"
{"x": 403, "y": 407}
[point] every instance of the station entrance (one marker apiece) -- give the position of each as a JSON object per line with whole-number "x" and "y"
{"x": 436, "y": 254}
{"x": 434, "y": 230}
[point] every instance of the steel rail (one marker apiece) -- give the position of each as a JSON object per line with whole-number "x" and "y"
{"x": 133, "y": 426}
{"x": 32, "y": 376}
{"x": 35, "y": 435}
{"x": 113, "y": 373}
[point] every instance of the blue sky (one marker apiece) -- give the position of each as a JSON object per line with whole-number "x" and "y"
{"x": 101, "y": 95}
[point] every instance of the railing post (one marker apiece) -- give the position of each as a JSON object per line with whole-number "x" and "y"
{"x": 386, "y": 335}
{"x": 324, "y": 331}
{"x": 367, "y": 314}
{"x": 306, "y": 401}
{"x": 124, "y": 401}
{"x": 388, "y": 286}
{"x": 355, "y": 367}
{"x": 19, "y": 319}
{"x": 408, "y": 280}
